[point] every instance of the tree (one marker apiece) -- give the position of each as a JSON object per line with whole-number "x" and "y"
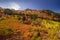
{"x": 8, "y": 11}
{"x": 33, "y": 16}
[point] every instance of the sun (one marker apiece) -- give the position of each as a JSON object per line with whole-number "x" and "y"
{"x": 14, "y": 6}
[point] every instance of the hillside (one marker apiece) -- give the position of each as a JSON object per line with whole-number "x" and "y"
{"x": 29, "y": 24}
{"x": 45, "y": 14}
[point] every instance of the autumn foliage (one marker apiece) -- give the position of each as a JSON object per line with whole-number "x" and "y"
{"x": 29, "y": 25}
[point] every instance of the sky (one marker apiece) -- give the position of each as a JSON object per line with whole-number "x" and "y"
{"x": 31, "y": 4}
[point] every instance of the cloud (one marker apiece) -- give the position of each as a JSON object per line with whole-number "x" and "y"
{"x": 13, "y": 5}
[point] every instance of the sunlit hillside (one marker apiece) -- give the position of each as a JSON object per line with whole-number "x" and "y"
{"x": 29, "y": 24}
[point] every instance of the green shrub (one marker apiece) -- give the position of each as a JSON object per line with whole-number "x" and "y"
{"x": 6, "y": 31}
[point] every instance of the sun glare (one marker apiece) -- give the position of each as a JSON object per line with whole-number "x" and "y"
{"x": 14, "y": 6}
